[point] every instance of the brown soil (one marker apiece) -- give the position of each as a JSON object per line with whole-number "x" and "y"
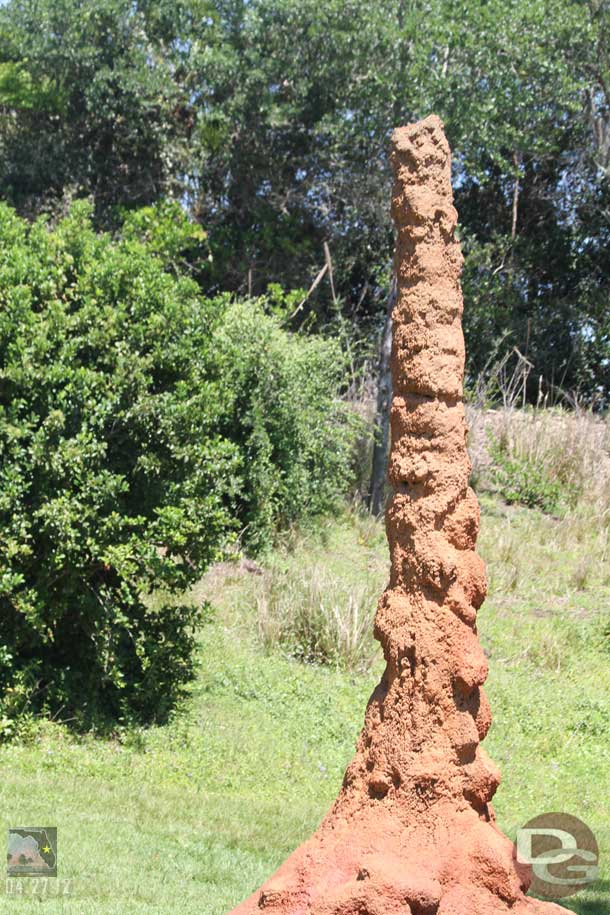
{"x": 412, "y": 830}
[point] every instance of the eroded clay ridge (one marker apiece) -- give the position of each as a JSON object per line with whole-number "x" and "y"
{"x": 412, "y": 831}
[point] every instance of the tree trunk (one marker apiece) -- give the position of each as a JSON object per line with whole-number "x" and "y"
{"x": 382, "y": 416}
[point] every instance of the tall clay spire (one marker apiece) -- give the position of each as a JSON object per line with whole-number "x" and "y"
{"x": 412, "y": 831}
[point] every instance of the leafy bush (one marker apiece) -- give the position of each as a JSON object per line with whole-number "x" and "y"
{"x": 114, "y": 478}
{"x": 140, "y": 427}
{"x": 281, "y": 408}
{"x": 519, "y": 479}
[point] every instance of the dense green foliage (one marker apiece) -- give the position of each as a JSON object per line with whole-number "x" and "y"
{"x": 141, "y": 426}
{"x": 295, "y": 439}
{"x": 270, "y": 119}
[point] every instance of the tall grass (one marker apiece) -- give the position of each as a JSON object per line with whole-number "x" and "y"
{"x": 317, "y": 605}
{"x": 543, "y": 453}
{"x": 316, "y": 616}
{"x": 568, "y": 449}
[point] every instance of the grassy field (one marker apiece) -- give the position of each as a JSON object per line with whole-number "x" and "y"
{"x": 191, "y": 816}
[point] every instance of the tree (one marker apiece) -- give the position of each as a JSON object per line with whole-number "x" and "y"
{"x": 270, "y": 120}
{"x": 93, "y": 102}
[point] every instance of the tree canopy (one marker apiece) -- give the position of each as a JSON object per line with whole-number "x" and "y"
{"x": 269, "y": 121}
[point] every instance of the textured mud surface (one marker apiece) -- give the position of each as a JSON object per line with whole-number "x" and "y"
{"x": 412, "y": 830}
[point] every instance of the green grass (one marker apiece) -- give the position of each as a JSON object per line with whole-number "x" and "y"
{"x": 194, "y": 815}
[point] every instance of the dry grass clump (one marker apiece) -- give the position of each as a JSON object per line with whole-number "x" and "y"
{"x": 568, "y": 547}
{"x": 562, "y": 449}
{"x": 316, "y": 616}
{"x": 543, "y": 457}
{"x": 572, "y": 447}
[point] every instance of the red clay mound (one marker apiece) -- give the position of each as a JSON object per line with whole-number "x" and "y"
{"x": 412, "y": 830}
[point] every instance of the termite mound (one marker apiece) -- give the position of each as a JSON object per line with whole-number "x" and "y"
{"x": 412, "y": 831}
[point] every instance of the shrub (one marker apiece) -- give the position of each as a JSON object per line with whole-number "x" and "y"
{"x": 114, "y": 478}
{"x": 282, "y": 409}
{"x": 520, "y": 480}
{"x": 141, "y": 426}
